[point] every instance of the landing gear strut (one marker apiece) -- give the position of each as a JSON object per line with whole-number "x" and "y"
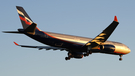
{"x": 90, "y": 52}
{"x": 69, "y": 56}
{"x": 120, "y": 59}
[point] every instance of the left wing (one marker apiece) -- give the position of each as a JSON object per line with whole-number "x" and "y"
{"x": 42, "y": 47}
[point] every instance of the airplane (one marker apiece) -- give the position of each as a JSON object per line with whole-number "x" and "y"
{"x": 77, "y": 47}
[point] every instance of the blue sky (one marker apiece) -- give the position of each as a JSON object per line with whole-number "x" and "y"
{"x": 85, "y": 18}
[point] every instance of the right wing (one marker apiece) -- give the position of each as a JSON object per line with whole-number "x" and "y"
{"x": 103, "y": 36}
{"x": 42, "y": 47}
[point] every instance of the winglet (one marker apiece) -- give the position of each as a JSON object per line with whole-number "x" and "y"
{"x": 115, "y": 19}
{"x": 16, "y": 43}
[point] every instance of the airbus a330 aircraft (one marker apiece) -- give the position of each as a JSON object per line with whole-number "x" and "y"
{"x": 77, "y": 47}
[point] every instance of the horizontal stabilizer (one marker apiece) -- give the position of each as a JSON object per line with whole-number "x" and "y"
{"x": 30, "y": 30}
{"x": 12, "y": 32}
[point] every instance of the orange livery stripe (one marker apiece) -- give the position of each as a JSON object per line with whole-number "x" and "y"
{"x": 23, "y": 19}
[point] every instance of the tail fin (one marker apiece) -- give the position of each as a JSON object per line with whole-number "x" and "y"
{"x": 28, "y": 25}
{"x": 24, "y": 17}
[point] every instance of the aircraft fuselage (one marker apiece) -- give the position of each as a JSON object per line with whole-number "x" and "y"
{"x": 75, "y": 43}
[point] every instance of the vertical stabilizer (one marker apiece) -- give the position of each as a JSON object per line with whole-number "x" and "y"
{"x": 24, "y": 17}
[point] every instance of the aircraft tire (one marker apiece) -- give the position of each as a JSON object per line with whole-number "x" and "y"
{"x": 67, "y": 58}
{"x": 120, "y": 59}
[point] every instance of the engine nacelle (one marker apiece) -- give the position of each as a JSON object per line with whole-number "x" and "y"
{"x": 107, "y": 48}
{"x": 76, "y": 55}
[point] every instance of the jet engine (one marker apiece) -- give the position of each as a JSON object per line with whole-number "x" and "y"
{"x": 107, "y": 48}
{"x": 77, "y": 55}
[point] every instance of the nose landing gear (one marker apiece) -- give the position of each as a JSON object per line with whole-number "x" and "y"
{"x": 120, "y": 59}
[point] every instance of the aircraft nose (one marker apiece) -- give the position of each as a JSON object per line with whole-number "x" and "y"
{"x": 129, "y": 50}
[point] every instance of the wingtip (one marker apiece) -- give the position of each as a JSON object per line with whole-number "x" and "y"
{"x": 16, "y": 43}
{"x": 115, "y": 18}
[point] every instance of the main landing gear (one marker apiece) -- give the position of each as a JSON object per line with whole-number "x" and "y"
{"x": 87, "y": 53}
{"x": 120, "y": 59}
{"x": 77, "y": 55}
{"x": 67, "y": 58}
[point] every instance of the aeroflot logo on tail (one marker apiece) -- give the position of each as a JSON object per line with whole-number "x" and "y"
{"x": 24, "y": 18}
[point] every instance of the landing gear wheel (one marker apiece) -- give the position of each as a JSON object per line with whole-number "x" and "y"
{"x": 120, "y": 59}
{"x": 90, "y": 52}
{"x": 67, "y": 58}
{"x": 86, "y": 54}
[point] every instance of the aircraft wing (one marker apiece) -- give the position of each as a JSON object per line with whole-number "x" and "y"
{"x": 103, "y": 36}
{"x": 41, "y": 47}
